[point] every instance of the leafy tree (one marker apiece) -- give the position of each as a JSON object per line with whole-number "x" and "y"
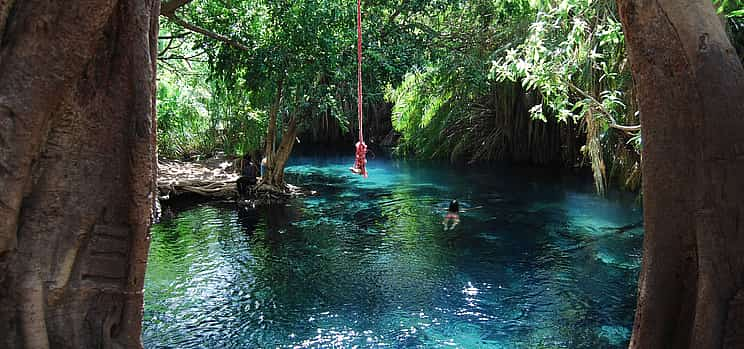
{"x": 569, "y": 58}
{"x": 453, "y": 108}
{"x": 574, "y": 56}
{"x": 462, "y": 77}
{"x": 183, "y": 120}
{"x": 296, "y": 61}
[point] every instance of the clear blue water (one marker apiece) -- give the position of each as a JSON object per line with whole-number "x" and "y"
{"x": 537, "y": 262}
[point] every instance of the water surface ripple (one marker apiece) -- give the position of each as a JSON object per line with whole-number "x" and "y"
{"x": 537, "y": 262}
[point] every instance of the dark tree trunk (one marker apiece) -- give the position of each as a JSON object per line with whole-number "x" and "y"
{"x": 77, "y": 167}
{"x": 274, "y": 176}
{"x": 690, "y": 89}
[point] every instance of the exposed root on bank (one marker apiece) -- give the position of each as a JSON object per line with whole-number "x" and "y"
{"x": 213, "y": 178}
{"x": 268, "y": 195}
{"x": 216, "y": 178}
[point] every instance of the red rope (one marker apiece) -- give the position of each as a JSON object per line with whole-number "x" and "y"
{"x": 359, "y": 68}
{"x": 361, "y": 148}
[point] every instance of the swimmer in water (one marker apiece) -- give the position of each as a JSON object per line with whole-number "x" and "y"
{"x": 453, "y": 215}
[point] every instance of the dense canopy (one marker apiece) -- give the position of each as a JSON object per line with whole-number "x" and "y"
{"x": 579, "y": 84}
{"x": 531, "y": 81}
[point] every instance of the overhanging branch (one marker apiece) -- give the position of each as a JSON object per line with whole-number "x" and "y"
{"x": 605, "y": 112}
{"x": 170, "y": 7}
{"x": 175, "y": 36}
{"x": 208, "y": 33}
{"x": 168, "y": 10}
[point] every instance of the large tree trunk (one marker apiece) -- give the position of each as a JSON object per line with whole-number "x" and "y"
{"x": 691, "y": 88}
{"x": 77, "y": 168}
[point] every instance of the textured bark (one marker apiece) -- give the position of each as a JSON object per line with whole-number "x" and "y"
{"x": 690, "y": 89}
{"x": 77, "y": 170}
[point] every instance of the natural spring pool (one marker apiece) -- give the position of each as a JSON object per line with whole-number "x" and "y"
{"x": 538, "y": 261}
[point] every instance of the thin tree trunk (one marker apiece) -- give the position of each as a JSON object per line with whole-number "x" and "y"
{"x": 77, "y": 170}
{"x": 274, "y": 177}
{"x": 690, "y": 90}
{"x": 284, "y": 151}
{"x": 271, "y": 131}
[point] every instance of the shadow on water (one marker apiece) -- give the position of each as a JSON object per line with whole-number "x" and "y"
{"x": 538, "y": 261}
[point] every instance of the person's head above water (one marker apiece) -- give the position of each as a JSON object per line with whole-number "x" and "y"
{"x": 454, "y": 206}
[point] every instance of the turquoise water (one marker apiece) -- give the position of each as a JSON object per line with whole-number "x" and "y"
{"x": 538, "y": 261}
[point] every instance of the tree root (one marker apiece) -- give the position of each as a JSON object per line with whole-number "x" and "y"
{"x": 263, "y": 195}
{"x": 214, "y": 179}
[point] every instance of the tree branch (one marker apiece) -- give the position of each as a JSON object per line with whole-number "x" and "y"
{"x": 605, "y": 112}
{"x": 180, "y": 58}
{"x": 167, "y": 47}
{"x": 175, "y": 36}
{"x": 170, "y": 7}
{"x": 168, "y": 10}
{"x": 210, "y": 34}
{"x": 184, "y": 57}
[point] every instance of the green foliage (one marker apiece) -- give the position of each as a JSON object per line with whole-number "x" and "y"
{"x": 456, "y": 72}
{"x": 238, "y": 127}
{"x": 574, "y": 56}
{"x": 196, "y": 115}
{"x": 194, "y": 119}
{"x": 438, "y": 109}
{"x": 419, "y": 100}
{"x": 730, "y": 8}
{"x": 183, "y": 120}
{"x": 573, "y": 48}
{"x": 310, "y": 47}
{"x": 569, "y": 53}
{"x": 307, "y": 46}
{"x": 733, "y": 10}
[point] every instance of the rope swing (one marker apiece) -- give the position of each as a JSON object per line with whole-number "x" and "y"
{"x": 360, "y": 164}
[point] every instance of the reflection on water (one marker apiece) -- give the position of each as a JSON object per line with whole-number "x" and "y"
{"x": 537, "y": 262}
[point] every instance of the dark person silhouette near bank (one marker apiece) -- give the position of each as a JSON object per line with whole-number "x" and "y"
{"x": 248, "y": 176}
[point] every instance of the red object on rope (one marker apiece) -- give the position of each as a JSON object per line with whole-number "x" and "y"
{"x": 360, "y": 164}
